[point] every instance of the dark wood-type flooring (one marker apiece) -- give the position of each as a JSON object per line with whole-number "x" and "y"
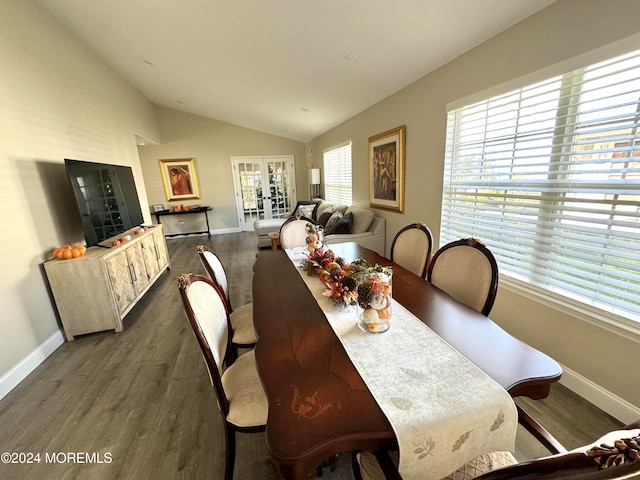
{"x": 143, "y": 396}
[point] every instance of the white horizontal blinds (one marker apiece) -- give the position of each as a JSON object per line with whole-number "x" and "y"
{"x": 337, "y": 174}
{"x": 548, "y": 177}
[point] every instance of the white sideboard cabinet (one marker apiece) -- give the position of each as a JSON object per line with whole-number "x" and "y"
{"x": 94, "y": 292}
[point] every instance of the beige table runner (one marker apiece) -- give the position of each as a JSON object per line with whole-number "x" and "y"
{"x": 443, "y": 409}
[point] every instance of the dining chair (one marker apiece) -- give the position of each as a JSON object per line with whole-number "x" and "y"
{"x": 241, "y": 319}
{"x": 411, "y": 248}
{"x": 240, "y": 397}
{"x": 293, "y": 232}
{"x": 468, "y": 272}
{"x": 616, "y": 455}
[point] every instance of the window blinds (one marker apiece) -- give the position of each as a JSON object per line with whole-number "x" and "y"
{"x": 548, "y": 177}
{"x": 337, "y": 174}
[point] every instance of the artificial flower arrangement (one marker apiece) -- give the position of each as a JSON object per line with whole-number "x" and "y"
{"x": 318, "y": 259}
{"x": 357, "y": 283}
{"x": 342, "y": 286}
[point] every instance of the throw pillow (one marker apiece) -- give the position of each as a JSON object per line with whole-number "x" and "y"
{"x": 305, "y": 209}
{"x": 341, "y": 208}
{"x": 362, "y": 218}
{"x": 331, "y": 222}
{"x": 324, "y": 218}
{"x": 324, "y": 207}
{"x": 343, "y": 225}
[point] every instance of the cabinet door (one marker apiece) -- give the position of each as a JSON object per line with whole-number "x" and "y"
{"x": 150, "y": 256}
{"x": 137, "y": 267}
{"x": 160, "y": 247}
{"x": 118, "y": 271}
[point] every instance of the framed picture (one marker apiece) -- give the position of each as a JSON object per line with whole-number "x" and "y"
{"x": 386, "y": 170}
{"x": 179, "y": 179}
{"x": 158, "y": 208}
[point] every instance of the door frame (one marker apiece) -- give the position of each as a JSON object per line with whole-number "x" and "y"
{"x": 264, "y": 159}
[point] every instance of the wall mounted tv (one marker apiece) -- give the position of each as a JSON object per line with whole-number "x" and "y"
{"x": 107, "y": 199}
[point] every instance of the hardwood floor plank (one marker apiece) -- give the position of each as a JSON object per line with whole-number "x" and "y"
{"x": 144, "y": 395}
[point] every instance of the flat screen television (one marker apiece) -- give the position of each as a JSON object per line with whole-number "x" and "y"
{"x": 107, "y": 199}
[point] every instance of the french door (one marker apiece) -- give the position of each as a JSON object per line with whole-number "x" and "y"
{"x": 264, "y": 188}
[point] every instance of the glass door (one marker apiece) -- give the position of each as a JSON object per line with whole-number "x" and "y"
{"x": 264, "y": 188}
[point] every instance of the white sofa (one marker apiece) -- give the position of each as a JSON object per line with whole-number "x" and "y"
{"x": 366, "y": 228}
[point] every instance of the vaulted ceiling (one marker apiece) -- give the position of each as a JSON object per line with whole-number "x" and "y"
{"x": 293, "y": 68}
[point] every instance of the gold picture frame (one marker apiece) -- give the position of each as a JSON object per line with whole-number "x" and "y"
{"x": 179, "y": 178}
{"x": 386, "y": 170}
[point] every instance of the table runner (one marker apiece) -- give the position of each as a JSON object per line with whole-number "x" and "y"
{"x": 443, "y": 409}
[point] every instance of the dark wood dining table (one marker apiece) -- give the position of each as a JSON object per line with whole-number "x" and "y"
{"x": 319, "y": 405}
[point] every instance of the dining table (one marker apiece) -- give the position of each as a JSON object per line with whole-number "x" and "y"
{"x": 319, "y": 404}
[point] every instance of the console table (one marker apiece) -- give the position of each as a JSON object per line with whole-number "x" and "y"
{"x": 202, "y": 210}
{"x": 95, "y": 292}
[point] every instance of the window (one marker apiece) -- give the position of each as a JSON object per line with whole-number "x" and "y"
{"x": 337, "y": 174}
{"x": 548, "y": 177}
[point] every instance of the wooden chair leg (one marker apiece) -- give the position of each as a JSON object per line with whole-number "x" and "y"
{"x": 229, "y": 453}
{"x": 539, "y": 432}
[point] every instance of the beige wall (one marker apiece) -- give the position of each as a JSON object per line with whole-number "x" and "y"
{"x": 57, "y": 100}
{"x": 212, "y": 144}
{"x": 563, "y": 30}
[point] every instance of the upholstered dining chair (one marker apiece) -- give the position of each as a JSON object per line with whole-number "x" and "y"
{"x": 293, "y": 232}
{"x": 411, "y": 248}
{"x": 468, "y": 272}
{"x": 243, "y": 332}
{"x": 616, "y": 455}
{"x": 241, "y": 399}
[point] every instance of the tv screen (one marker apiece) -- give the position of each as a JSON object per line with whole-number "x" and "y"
{"x": 107, "y": 199}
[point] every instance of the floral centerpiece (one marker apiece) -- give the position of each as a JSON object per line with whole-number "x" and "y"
{"x": 340, "y": 282}
{"x": 317, "y": 260}
{"x": 358, "y": 283}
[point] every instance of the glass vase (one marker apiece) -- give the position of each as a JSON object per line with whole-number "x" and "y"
{"x": 374, "y": 300}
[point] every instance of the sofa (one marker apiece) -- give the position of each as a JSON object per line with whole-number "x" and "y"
{"x": 341, "y": 224}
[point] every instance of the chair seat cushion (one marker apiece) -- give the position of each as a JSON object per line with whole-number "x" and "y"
{"x": 242, "y": 322}
{"x": 370, "y": 468}
{"x": 242, "y": 386}
{"x": 483, "y": 464}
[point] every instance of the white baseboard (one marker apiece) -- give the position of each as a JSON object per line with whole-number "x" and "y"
{"x": 220, "y": 231}
{"x": 603, "y": 399}
{"x": 28, "y": 364}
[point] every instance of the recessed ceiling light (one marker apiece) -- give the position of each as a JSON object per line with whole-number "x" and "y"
{"x": 351, "y": 58}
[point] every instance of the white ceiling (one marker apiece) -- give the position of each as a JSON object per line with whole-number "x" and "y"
{"x": 293, "y": 68}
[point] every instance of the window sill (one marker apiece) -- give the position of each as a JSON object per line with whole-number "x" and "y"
{"x": 610, "y": 322}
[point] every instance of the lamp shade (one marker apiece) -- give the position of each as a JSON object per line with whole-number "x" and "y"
{"x": 315, "y": 176}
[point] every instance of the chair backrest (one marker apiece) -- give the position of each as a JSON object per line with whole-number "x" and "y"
{"x": 207, "y": 314}
{"x": 293, "y": 232}
{"x": 411, "y": 248}
{"x": 214, "y": 268}
{"x": 467, "y": 271}
{"x": 614, "y": 456}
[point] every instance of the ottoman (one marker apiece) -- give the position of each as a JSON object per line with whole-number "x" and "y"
{"x": 264, "y": 227}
